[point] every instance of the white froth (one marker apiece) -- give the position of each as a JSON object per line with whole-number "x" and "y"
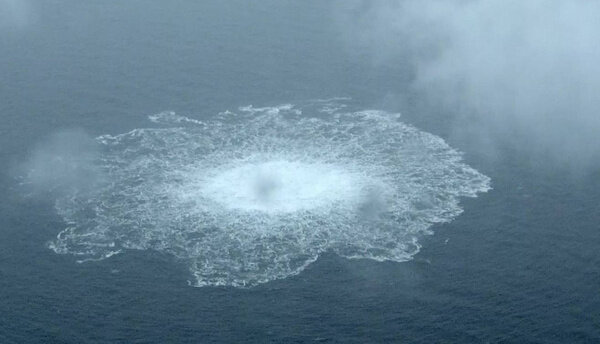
{"x": 244, "y": 198}
{"x": 281, "y": 186}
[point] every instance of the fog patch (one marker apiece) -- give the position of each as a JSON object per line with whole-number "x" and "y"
{"x": 374, "y": 203}
{"x": 64, "y": 162}
{"x": 15, "y": 14}
{"x": 517, "y": 72}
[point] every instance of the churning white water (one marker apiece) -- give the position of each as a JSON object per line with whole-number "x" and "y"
{"x": 276, "y": 186}
{"x": 247, "y": 197}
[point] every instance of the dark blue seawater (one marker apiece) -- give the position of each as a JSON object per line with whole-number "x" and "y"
{"x": 521, "y": 264}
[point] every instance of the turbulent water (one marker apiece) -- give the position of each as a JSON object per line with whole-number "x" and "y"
{"x": 249, "y": 196}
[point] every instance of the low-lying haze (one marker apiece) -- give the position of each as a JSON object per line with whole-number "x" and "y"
{"x": 522, "y": 72}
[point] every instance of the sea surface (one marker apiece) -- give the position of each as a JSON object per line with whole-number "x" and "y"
{"x": 520, "y": 264}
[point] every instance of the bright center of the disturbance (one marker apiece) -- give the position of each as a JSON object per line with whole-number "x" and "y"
{"x": 282, "y": 186}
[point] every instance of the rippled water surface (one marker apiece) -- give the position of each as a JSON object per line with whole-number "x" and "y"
{"x": 316, "y": 214}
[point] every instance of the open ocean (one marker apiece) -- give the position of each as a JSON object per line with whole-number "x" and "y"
{"x": 520, "y": 264}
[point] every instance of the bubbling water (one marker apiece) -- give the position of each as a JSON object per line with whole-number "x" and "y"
{"x": 280, "y": 186}
{"x": 247, "y": 197}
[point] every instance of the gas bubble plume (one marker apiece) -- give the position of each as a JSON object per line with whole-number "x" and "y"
{"x": 250, "y": 196}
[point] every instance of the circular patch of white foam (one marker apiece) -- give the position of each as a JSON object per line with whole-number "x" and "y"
{"x": 247, "y": 197}
{"x": 281, "y": 186}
